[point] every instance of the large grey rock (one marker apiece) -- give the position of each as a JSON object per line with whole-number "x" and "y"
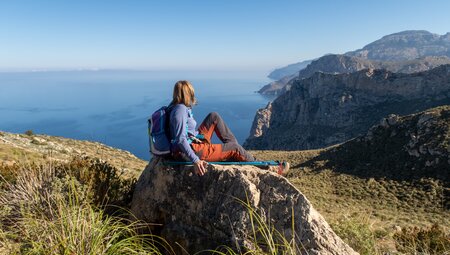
{"x": 203, "y": 212}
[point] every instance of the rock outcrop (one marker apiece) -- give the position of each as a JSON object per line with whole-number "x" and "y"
{"x": 262, "y": 121}
{"x": 326, "y": 109}
{"x": 204, "y": 212}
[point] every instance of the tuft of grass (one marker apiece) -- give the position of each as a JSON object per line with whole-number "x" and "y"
{"x": 357, "y": 233}
{"x": 45, "y": 212}
{"x": 414, "y": 240}
{"x": 78, "y": 228}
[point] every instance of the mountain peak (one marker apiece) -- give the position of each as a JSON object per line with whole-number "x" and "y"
{"x": 405, "y": 45}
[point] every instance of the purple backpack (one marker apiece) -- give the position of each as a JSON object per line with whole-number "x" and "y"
{"x": 159, "y": 133}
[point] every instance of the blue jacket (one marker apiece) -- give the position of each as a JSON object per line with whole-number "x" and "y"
{"x": 182, "y": 125}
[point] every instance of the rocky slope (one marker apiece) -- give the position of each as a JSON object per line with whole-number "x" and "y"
{"x": 326, "y": 109}
{"x": 413, "y": 149}
{"x": 407, "y": 147}
{"x": 25, "y": 149}
{"x": 397, "y": 49}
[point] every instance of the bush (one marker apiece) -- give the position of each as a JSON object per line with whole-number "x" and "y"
{"x": 29, "y": 132}
{"x": 415, "y": 240}
{"x": 105, "y": 183}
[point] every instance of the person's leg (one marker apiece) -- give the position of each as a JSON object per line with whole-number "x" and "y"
{"x": 213, "y": 122}
{"x": 240, "y": 154}
{"x": 222, "y": 152}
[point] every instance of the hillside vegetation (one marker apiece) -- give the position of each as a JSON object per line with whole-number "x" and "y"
{"x": 392, "y": 180}
{"x": 22, "y": 149}
{"x": 385, "y": 191}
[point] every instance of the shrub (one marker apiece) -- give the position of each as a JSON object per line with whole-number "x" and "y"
{"x": 29, "y": 132}
{"x": 415, "y": 240}
{"x": 105, "y": 183}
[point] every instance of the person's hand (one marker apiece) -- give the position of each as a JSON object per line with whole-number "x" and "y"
{"x": 200, "y": 167}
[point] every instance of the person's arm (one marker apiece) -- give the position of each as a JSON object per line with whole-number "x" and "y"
{"x": 178, "y": 129}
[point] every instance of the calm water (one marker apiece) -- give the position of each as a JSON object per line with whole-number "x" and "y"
{"x": 112, "y": 106}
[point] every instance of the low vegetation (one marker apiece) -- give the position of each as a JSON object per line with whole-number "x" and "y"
{"x": 59, "y": 209}
{"x": 52, "y": 203}
{"x": 56, "y": 209}
{"x": 368, "y": 212}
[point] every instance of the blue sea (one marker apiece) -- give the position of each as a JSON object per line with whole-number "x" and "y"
{"x": 112, "y": 107}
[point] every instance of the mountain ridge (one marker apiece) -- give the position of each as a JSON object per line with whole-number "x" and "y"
{"x": 396, "y": 49}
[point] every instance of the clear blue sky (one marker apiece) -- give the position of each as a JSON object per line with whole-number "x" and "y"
{"x": 201, "y": 35}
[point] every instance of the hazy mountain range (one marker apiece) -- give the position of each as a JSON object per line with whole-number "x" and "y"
{"x": 406, "y": 52}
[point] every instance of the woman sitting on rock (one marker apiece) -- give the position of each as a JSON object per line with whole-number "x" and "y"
{"x": 193, "y": 145}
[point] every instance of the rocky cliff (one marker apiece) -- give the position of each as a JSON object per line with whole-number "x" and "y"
{"x": 326, "y": 109}
{"x": 235, "y": 206}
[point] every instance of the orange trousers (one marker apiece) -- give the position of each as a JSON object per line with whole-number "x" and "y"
{"x": 229, "y": 150}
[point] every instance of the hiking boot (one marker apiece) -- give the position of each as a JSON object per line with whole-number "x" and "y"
{"x": 281, "y": 169}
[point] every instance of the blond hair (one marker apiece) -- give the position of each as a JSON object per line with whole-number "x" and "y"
{"x": 183, "y": 93}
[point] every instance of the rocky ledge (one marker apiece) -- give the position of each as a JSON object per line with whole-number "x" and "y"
{"x": 220, "y": 208}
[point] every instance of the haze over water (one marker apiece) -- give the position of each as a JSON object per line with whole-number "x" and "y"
{"x": 112, "y": 106}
